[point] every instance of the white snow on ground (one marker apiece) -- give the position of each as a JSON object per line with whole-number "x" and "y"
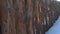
{"x": 55, "y": 29}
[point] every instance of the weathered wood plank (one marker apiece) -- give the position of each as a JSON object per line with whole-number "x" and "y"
{"x": 26, "y": 16}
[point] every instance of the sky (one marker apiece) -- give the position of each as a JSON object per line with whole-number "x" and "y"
{"x": 58, "y": 0}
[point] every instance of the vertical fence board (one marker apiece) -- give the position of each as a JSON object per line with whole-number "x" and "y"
{"x": 26, "y": 16}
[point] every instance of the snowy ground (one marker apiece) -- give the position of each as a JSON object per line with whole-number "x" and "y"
{"x": 55, "y": 29}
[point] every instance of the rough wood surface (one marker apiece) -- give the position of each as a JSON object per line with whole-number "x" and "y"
{"x": 26, "y": 16}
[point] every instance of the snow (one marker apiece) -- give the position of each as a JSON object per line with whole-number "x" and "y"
{"x": 55, "y": 29}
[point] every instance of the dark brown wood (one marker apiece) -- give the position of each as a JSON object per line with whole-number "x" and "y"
{"x": 26, "y": 16}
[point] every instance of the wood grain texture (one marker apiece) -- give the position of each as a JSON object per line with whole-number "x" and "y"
{"x": 26, "y": 16}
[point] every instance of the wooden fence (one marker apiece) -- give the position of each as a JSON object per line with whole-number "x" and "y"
{"x": 26, "y": 16}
